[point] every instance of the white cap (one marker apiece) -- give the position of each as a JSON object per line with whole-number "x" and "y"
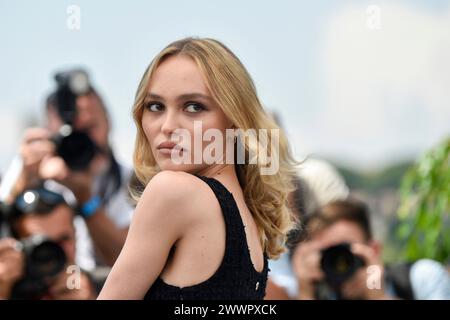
{"x": 321, "y": 184}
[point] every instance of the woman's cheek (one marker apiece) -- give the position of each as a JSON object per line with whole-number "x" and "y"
{"x": 148, "y": 134}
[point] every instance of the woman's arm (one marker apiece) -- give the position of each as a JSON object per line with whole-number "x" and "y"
{"x": 160, "y": 219}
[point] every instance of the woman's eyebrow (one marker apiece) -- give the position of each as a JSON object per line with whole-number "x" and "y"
{"x": 182, "y": 97}
{"x": 189, "y": 96}
{"x": 153, "y": 96}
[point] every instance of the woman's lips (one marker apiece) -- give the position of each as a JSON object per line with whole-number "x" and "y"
{"x": 167, "y": 145}
{"x": 167, "y": 151}
{"x": 168, "y": 148}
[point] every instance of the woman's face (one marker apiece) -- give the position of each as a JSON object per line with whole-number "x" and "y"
{"x": 177, "y": 97}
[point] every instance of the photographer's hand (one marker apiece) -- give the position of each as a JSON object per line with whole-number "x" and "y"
{"x": 35, "y": 146}
{"x": 306, "y": 266}
{"x": 368, "y": 281}
{"x": 79, "y": 182}
{"x": 11, "y": 266}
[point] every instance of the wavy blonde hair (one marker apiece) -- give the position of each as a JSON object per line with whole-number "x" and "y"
{"x": 233, "y": 89}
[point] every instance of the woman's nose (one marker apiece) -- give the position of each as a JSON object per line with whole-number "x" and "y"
{"x": 170, "y": 123}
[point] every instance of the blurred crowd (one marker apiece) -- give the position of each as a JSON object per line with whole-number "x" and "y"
{"x": 335, "y": 255}
{"x": 65, "y": 212}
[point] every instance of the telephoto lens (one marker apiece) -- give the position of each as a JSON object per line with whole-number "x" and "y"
{"x": 44, "y": 260}
{"x": 76, "y": 148}
{"x": 339, "y": 264}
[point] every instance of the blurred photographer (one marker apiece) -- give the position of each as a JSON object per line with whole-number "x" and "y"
{"x": 341, "y": 260}
{"x": 35, "y": 263}
{"x": 318, "y": 183}
{"x": 73, "y": 156}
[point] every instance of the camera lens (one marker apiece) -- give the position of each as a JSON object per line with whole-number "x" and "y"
{"x": 76, "y": 149}
{"x": 44, "y": 258}
{"x": 339, "y": 263}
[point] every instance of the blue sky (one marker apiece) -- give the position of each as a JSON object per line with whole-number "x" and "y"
{"x": 293, "y": 50}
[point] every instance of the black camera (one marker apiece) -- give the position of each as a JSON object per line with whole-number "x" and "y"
{"x": 44, "y": 258}
{"x": 339, "y": 264}
{"x": 75, "y": 147}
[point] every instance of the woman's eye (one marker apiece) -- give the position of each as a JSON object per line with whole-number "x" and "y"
{"x": 154, "y": 107}
{"x": 194, "y": 107}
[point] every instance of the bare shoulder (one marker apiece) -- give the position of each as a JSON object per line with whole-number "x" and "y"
{"x": 176, "y": 193}
{"x": 167, "y": 212}
{"x": 173, "y": 187}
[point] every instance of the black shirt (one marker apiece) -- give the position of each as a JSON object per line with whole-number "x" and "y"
{"x": 236, "y": 277}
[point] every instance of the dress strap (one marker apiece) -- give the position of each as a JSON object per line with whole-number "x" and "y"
{"x": 236, "y": 240}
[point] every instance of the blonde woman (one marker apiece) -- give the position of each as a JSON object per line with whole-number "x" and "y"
{"x": 201, "y": 229}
